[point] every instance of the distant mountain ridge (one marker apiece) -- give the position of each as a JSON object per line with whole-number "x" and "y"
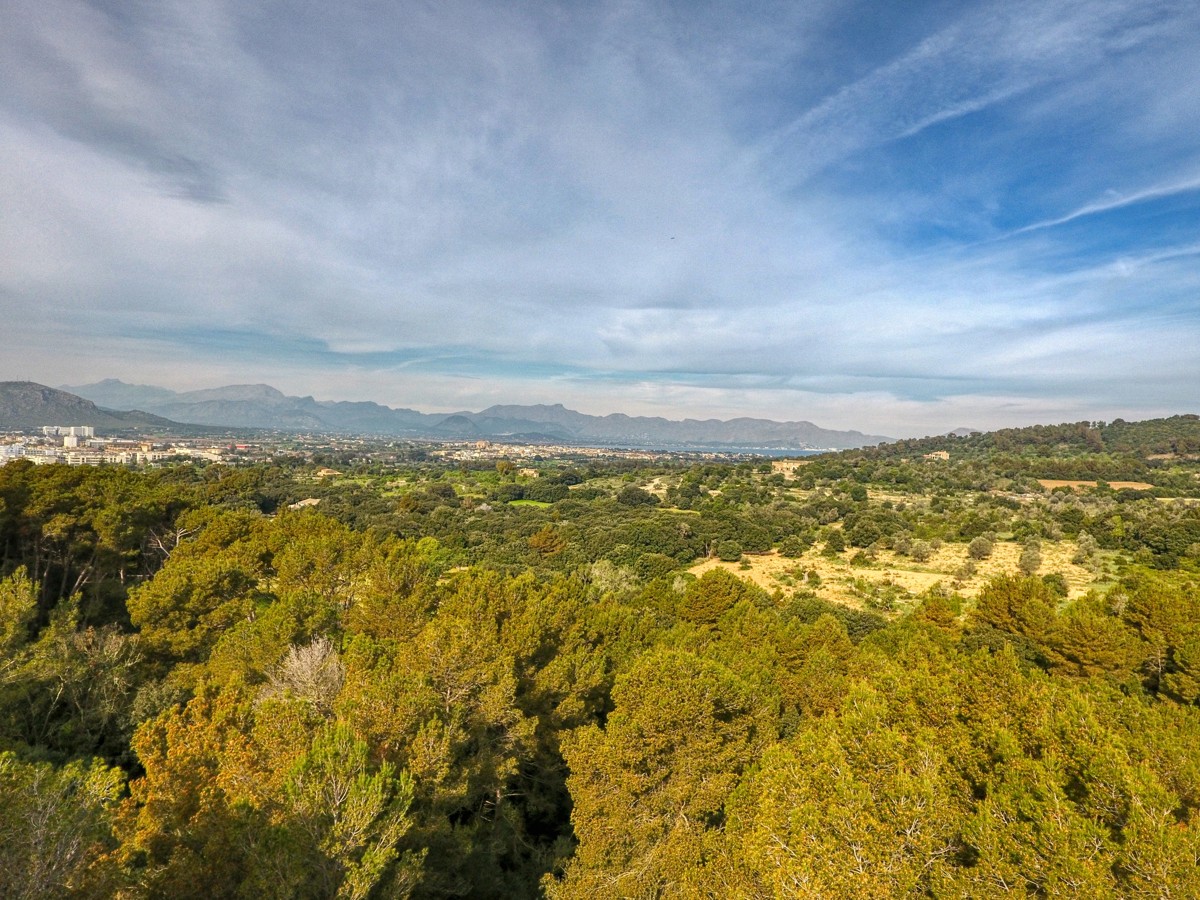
{"x": 27, "y": 406}
{"x": 262, "y": 406}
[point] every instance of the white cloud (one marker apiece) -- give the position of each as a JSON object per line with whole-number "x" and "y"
{"x": 392, "y": 203}
{"x": 1115, "y": 200}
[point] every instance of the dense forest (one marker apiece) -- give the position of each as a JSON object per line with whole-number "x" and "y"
{"x": 586, "y": 680}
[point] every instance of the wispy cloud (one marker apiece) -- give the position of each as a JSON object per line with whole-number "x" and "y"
{"x": 774, "y": 208}
{"x": 1115, "y": 201}
{"x": 987, "y": 56}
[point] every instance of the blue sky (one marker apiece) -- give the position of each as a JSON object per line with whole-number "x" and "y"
{"x": 897, "y": 217}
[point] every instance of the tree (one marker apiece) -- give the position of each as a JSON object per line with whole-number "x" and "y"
{"x": 203, "y": 590}
{"x": 980, "y": 548}
{"x": 18, "y": 608}
{"x": 712, "y": 595}
{"x": 1021, "y": 606}
{"x": 921, "y": 551}
{"x": 349, "y": 817}
{"x": 1088, "y": 640}
{"x": 1026, "y": 832}
{"x": 547, "y": 541}
{"x": 835, "y": 543}
{"x": 1031, "y": 558}
{"x": 794, "y": 546}
{"x": 312, "y": 673}
{"x": 632, "y": 495}
{"x": 850, "y": 808}
{"x": 817, "y": 662}
{"x": 55, "y": 827}
{"x": 1086, "y": 548}
{"x": 729, "y": 551}
{"x": 650, "y": 788}
{"x": 263, "y": 799}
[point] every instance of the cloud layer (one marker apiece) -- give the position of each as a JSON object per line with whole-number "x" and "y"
{"x": 895, "y": 220}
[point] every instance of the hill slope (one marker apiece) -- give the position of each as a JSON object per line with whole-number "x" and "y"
{"x": 27, "y": 406}
{"x": 1175, "y": 435}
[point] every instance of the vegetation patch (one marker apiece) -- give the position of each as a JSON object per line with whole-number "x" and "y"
{"x": 1051, "y": 483}
{"x": 873, "y": 675}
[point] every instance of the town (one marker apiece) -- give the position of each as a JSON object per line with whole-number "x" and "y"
{"x": 80, "y": 445}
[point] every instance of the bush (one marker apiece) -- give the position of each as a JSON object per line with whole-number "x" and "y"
{"x": 506, "y": 493}
{"x": 1087, "y": 547}
{"x": 834, "y": 543}
{"x": 980, "y": 548}
{"x": 1057, "y": 582}
{"x": 632, "y": 495}
{"x": 729, "y": 551}
{"x": 546, "y": 491}
{"x": 793, "y": 546}
{"x": 1031, "y": 559}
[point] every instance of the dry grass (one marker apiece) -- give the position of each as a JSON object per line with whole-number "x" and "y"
{"x": 1052, "y": 483}
{"x": 771, "y": 571}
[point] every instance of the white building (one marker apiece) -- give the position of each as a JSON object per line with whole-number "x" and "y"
{"x": 11, "y": 451}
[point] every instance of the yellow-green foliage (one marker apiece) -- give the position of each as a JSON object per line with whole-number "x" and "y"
{"x": 219, "y": 699}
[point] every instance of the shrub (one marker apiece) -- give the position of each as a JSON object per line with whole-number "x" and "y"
{"x": 793, "y": 546}
{"x": 1086, "y": 548}
{"x": 834, "y": 543}
{"x": 1031, "y": 559}
{"x": 632, "y": 495}
{"x": 980, "y": 548}
{"x": 1057, "y": 582}
{"x": 729, "y": 551}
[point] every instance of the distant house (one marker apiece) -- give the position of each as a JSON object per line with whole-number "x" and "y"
{"x": 304, "y": 504}
{"x": 787, "y": 467}
{"x": 937, "y": 454}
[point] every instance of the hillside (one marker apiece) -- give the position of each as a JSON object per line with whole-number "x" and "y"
{"x": 1176, "y": 435}
{"x": 26, "y": 406}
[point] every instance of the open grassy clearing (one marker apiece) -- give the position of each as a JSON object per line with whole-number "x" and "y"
{"x": 838, "y": 575}
{"x": 1052, "y": 483}
{"x": 657, "y": 487}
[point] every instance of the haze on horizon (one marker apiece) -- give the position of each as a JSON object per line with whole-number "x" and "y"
{"x": 896, "y": 218}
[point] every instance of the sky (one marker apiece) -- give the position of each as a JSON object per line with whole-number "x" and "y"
{"x": 901, "y": 218}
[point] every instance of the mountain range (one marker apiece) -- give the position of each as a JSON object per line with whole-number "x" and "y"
{"x": 260, "y": 406}
{"x": 27, "y": 406}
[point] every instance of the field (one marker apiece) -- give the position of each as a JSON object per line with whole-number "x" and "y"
{"x": 1052, "y": 483}
{"x": 842, "y": 581}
